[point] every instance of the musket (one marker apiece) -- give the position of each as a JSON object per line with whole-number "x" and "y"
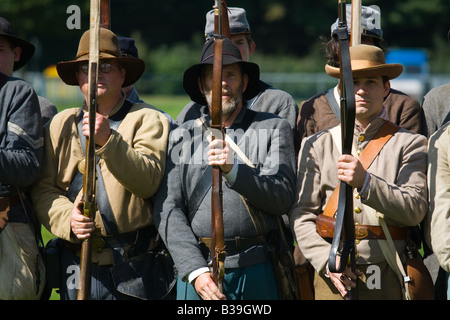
{"x": 89, "y": 175}
{"x": 105, "y": 11}
{"x": 221, "y": 27}
{"x": 345, "y": 228}
{"x": 355, "y": 32}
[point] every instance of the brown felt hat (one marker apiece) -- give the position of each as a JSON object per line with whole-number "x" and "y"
{"x": 109, "y": 49}
{"x": 368, "y": 61}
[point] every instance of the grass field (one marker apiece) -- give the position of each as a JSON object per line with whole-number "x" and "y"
{"x": 170, "y": 104}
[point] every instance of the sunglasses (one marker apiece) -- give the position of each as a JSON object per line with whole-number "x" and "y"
{"x": 104, "y": 67}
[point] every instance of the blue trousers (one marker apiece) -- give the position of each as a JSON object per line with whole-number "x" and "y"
{"x": 255, "y": 282}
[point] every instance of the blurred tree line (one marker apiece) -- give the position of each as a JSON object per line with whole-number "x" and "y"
{"x": 169, "y": 33}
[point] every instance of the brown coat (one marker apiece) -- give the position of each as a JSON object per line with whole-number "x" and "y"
{"x": 132, "y": 164}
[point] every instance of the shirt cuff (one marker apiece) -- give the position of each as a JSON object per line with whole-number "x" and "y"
{"x": 364, "y": 191}
{"x": 231, "y": 175}
{"x": 194, "y": 274}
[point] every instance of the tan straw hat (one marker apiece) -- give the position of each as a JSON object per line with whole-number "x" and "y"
{"x": 368, "y": 61}
{"x": 109, "y": 49}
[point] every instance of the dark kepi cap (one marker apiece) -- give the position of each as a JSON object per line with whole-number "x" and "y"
{"x": 237, "y": 19}
{"x": 6, "y": 30}
{"x": 370, "y": 21}
{"x": 231, "y": 54}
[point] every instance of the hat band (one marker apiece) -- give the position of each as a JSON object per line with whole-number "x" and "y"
{"x": 363, "y": 64}
{"x": 84, "y": 53}
{"x": 223, "y": 53}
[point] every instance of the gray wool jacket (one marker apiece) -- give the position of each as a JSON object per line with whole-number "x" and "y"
{"x": 267, "y": 141}
{"x": 21, "y": 139}
{"x": 436, "y": 109}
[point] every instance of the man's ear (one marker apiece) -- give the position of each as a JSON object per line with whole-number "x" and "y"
{"x": 387, "y": 88}
{"x": 252, "y": 47}
{"x": 17, "y": 51}
{"x": 123, "y": 73}
{"x": 245, "y": 84}
{"x": 200, "y": 85}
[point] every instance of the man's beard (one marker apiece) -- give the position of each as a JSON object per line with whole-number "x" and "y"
{"x": 228, "y": 106}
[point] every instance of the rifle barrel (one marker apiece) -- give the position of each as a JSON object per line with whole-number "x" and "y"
{"x": 89, "y": 177}
{"x": 217, "y": 229}
{"x": 345, "y": 227}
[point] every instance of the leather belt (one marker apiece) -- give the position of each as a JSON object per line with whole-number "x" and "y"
{"x": 115, "y": 241}
{"x": 238, "y": 243}
{"x": 325, "y": 228}
{"x": 11, "y": 200}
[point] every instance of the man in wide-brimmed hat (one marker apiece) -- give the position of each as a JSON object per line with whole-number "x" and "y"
{"x": 392, "y": 188}
{"x": 16, "y": 52}
{"x": 268, "y": 99}
{"x": 131, "y": 141}
{"x": 266, "y": 183}
{"x": 322, "y": 110}
{"x": 22, "y": 270}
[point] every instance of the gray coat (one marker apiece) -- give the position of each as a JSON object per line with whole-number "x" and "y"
{"x": 270, "y": 187}
{"x": 21, "y": 139}
{"x": 436, "y": 108}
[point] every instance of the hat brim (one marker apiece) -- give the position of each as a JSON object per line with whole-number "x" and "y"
{"x": 134, "y": 69}
{"x": 27, "y": 50}
{"x": 391, "y": 71}
{"x": 191, "y": 75}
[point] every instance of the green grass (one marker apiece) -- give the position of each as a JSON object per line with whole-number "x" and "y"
{"x": 170, "y": 104}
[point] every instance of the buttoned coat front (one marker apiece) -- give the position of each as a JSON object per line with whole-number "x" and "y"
{"x": 398, "y": 189}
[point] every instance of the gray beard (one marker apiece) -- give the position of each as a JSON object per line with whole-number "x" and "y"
{"x": 228, "y": 106}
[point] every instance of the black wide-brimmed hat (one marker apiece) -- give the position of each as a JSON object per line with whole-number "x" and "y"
{"x": 6, "y": 30}
{"x": 231, "y": 54}
{"x": 109, "y": 49}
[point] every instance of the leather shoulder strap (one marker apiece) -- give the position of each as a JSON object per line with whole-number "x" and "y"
{"x": 77, "y": 182}
{"x": 387, "y": 130}
{"x": 333, "y": 103}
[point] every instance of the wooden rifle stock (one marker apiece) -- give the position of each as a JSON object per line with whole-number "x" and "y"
{"x": 89, "y": 176}
{"x": 105, "y": 11}
{"x": 217, "y": 229}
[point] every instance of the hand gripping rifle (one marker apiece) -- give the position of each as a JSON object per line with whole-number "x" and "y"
{"x": 345, "y": 227}
{"x": 89, "y": 175}
{"x": 217, "y": 233}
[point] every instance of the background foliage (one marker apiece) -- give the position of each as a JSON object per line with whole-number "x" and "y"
{"x": 169, "y": 33}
